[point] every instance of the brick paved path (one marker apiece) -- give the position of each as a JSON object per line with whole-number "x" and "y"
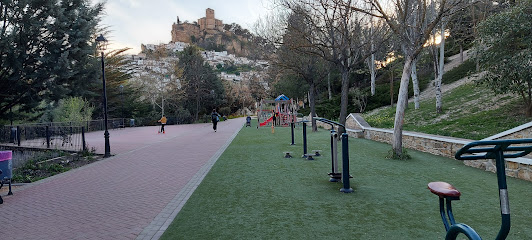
{"x": 133, "y": 195}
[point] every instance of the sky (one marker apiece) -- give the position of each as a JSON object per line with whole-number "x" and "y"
{"x": 135, "y": 22}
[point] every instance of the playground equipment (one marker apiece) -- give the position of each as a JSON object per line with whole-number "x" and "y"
{"x": 284, "y": 107}
{"x": 335, "y": 176}
{"x": 498, "y": 150}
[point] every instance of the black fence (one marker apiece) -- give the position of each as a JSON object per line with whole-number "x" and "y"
{"x": 69, "y": 138}
{"x": 65, "y": 135}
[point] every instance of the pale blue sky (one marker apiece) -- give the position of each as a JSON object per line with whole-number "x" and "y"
{"x": 135, "y": 22}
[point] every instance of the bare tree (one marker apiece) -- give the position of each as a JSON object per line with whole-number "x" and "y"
{"x": 294, "y": 55}
{"x": 377, "y": 33}
{"x": 412, "y": 23}
{"x": 438, "y": 65}
{"x": 336, "y": 36}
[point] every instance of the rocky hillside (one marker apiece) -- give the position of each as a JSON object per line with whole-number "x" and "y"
{"x": 229, "y": 37}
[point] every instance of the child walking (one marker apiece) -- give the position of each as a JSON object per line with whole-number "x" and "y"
{"x": 163, "y": 122}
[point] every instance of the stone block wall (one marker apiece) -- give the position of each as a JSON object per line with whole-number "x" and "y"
{"x": 446, "y": 146}
{"x": 433, "y": 144}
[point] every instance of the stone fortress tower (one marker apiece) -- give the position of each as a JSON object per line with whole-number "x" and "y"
{"x": 188, "y": 32}
{"x": 208, "y": 22}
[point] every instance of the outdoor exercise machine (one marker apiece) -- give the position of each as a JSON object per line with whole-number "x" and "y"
{"x": 293, "y": 125}
{"x": 335, "y": 175}
{"x": 305, "y": 154}
{"x": 498, "y": 150}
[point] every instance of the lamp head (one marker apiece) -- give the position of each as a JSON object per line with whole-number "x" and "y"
{"x": 102, "y": 42}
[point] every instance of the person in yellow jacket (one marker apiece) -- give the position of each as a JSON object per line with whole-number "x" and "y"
{"x": 163, "y": 122}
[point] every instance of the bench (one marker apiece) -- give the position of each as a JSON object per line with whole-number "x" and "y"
{"x": 118, "y": 125}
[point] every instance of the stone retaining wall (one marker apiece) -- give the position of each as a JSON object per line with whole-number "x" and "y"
{"x": 445, "y": 146}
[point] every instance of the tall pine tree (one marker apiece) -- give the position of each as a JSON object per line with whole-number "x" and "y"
{"x": 46, "y": 51}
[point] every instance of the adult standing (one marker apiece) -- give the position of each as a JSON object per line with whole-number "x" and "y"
{"x": 215, "y": 117}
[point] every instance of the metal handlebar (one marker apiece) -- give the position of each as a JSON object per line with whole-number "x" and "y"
{"x": 497, "y": 146}
{"x": 498, "y": 150}
{"x": 330, "y": 122}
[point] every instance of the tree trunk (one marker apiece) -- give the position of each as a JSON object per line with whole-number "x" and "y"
{"x": 391, "y": 87}
{"x": 312, "y": 102}
{"x": 528, "y": 111}
{"x": 415, "y": 84}
{"x": 440, "y": 70}
{"x": 344, "y": 97}
{"x": 197, "y": 107}
{"x": 329, "y": 85}
{"x": 372, "y": 72}
{"x": 397, "y": 143}
{"x": 528, "y": 99}
{"x": 372, "y": 63}
{"x": 162, "y": 106}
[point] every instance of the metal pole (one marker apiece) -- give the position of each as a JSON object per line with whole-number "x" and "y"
{"x": 47, "y": 137}
{"x": 503, "y": 195}
{"x": 335, "y": 175}
{"x": 83, "y": 139}
{"x": 18, "y": 135}
{"x": 304, "y": 139}
{"x": 106, "y": 133}
{"x": 345, "y": 165}
{"x": 122, "y": 104}
{"x": 292, "y": 128}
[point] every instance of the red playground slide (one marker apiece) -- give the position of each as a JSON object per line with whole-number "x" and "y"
{"x": 262, "y": 124}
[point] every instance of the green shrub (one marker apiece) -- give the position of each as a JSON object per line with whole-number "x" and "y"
{"x": 184, "y": 116}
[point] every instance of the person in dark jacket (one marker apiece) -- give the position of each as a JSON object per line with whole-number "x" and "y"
{"x": 215, "y": 117}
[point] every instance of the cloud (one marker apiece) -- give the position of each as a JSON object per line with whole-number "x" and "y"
{"x": 131, "y": 3}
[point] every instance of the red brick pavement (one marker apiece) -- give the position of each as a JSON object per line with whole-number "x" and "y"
{"x": 116, "y": 198}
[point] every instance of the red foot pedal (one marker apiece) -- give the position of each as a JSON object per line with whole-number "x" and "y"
{"x": 443, "y": 189}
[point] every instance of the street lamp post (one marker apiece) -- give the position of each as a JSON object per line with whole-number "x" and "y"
{"x": 122, "y": 103}
{"x": 102, "y": 42}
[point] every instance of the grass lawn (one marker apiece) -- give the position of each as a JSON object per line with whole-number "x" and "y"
{"x": 252, "y": 192}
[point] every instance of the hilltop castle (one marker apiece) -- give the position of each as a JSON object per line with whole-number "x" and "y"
{"x": 188, "y": 32}
{"x": 211, "y": 33}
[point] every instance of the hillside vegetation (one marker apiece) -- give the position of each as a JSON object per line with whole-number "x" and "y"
{"x": 470, "y": 111}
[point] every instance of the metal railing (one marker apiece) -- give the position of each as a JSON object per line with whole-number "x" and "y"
{"x": 62, "y": 135}
{"x": 70, "y": 138}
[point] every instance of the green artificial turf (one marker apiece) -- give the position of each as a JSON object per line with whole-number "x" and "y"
{"x": 252, "y": 192}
